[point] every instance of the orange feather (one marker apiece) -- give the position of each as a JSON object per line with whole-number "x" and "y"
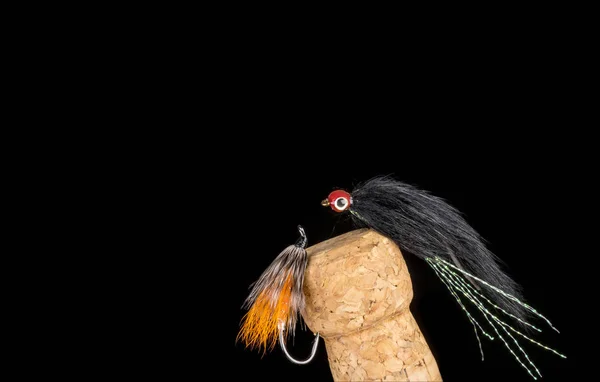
{"x": 260, "y": 327}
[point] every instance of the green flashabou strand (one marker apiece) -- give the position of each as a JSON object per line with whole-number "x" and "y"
{"x": 439, "y": 271}
{"x": 466, "y": 294}
{"x": 473, "y": 290}
{"x": 473, "y": 321}
{"x": 485, "y": 314}
{"x": 499, "y": 291}
{"x": 505, "y": 324}
{"x": 357, "y": 215}
{"x": 519, "y": 346}
{"x": 481, "y": 307}
{"x": 535, "y": 342}
{"x": 510, "y": 327}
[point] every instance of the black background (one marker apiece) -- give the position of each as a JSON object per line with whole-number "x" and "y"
{"x": 227, "y": 212}
{"x": 228, "y": 218}
{"x": 516, "y": 204}
{"x": 501, "y": 138}
{"x": 526, "y": 189}
{"x": 216, "y": 136}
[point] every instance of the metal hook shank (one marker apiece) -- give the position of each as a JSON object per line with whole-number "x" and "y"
{"x": 312, "y": 353}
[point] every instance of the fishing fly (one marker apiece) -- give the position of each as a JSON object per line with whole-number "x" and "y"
{"x": 423, "y": 225}
{"x": 276, "y": 302}
{"x": 428, "y": 227}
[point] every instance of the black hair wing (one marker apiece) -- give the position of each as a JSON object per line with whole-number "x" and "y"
{"x": 427, "y": 226}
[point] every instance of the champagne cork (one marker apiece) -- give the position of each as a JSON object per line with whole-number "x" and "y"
{"x": 358, "y": 291}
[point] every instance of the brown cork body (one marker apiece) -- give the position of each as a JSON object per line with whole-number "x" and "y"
{"x": 358, "y": 291}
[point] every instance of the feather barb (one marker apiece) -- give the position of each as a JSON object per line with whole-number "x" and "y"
{"x": 272, "y": 307}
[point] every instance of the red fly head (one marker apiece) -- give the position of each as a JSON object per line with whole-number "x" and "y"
{"x": 338, "y": 200}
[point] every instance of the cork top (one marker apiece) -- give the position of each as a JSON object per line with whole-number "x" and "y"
{"x": 353, "y": 281}
{"x": 322, "y": 248}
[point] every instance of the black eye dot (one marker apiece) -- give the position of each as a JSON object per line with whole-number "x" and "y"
{"x": 341, "y": 203}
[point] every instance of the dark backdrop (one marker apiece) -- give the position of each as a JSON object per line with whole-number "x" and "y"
{"x": 518, "y": 192}
{"x": 211, "y": 149}
{"x": 502, "y": 143}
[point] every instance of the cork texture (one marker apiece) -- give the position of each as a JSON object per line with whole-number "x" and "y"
{"x": 358, "y": 292}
